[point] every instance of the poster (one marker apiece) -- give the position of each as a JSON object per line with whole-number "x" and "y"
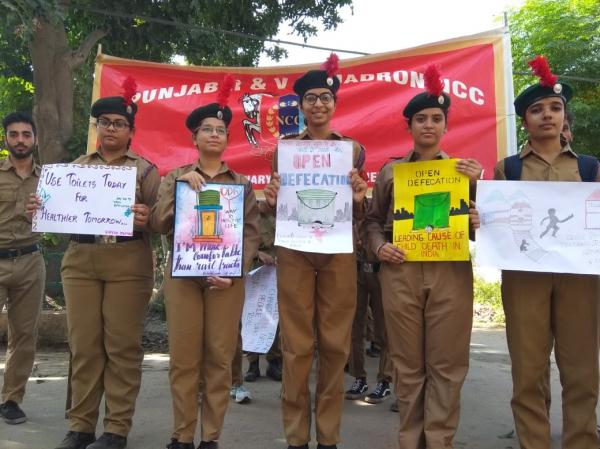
{"x": 314, "y": 204}
{"x": 261, "y": 314}
{"x": 431, "y": 211}
{"x": 209, "y": 230}
{"x": 539, "y": 226}
{"x": 86, "y": 199}
{"x": 477, "y": 74}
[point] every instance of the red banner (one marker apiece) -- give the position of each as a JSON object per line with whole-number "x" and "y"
{"x": 373, "y": 92}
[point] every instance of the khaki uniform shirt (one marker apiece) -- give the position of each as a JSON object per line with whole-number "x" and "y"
{"x": 535, "y": 168}
{"x": 147, "y": 178}
{"x": 358, "y": 159}
{"x": 15, "y": 227}
{"x": 380, "y": 221}
{"x": 163, "y": 213}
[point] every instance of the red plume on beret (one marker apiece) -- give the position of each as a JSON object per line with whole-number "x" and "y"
{"x": 539, "y": 66}
{"x": 129, "y": 90}
{"x": 225, "y": 89}
{"x": 331, "y": 65}
{"x": 433, "y": 81}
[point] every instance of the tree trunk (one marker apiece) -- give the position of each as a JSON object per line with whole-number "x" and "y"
{"x": 53, "y": 98}
{"x": 53, "y": 65}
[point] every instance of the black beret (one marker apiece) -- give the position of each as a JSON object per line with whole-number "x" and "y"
{"x": 314, "y": 79}
{"x": 536, "y": 92}
{"x": 214, "y": 110}
{"x": 114, "y": 105}
{"x": 425, "y": 100}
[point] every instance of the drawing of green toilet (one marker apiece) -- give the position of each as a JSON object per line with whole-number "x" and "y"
{"x": 432, "y": 211}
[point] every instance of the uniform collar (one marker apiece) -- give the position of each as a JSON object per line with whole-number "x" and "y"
{"x": 414, "y": 156}
{"x": 304, "y": 135}
{"x": 7, "y": 165}
{"x": 128, "y": 154}
{"x": 528, "y": 149}
{"x": 223, "y": 169}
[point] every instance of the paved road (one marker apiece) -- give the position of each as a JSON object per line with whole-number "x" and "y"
{"x": 485, "y": 408}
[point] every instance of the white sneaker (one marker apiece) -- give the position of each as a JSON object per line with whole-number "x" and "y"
{"x": 242, "y": 395}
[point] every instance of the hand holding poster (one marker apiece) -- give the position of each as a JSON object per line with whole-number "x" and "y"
{"x": 209, "y": 230}
{"x": 261, "y": 314}
{"x": 431, "y": 211}
{"x": 85, "y": 199}
{"x": 539, "y": 226}
{"x": 314, "y": 204}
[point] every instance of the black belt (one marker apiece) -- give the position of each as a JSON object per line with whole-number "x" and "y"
{"x": 87, "y": 238}
{"x": 367, "y": 267}
{"x": 14, "y": 253}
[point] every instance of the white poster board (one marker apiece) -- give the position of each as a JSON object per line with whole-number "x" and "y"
{"x": 86, "y": 199}
{"x": 314, "y": 204}
{"x": 539, "y": 226}
{"x": 261, "y": 314}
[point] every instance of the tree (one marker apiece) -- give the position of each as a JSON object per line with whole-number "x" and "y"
{"x": 567, "y": 32}
{"x": 49, "y": 42}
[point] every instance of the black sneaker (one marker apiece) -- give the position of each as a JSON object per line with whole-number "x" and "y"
{"x": 304, "y": 446}
{"x": 274, "y": 370}
{"x": 381, "y": 391}
{"x": 77, "y": 440}
{"x": 253, "y": 372}
{"x": 208, "y": 445}
{"x": 358, "y": 388}
{"x": 326, "y": 446}
{"x": 109, "y": 441}
{"x": 12, "y": 413}
{"x": 175, "y": 444}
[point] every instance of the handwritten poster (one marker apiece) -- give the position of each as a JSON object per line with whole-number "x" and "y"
{"x": 261, "y": 314}
{"x": 539, "y": 226}
{"x": 431, "y": 211}
{"x": 314, "y": 204}
{"x": 209, "y": 230}
{"x": 85, "y": 199}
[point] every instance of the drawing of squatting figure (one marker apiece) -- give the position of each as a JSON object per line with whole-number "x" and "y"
{"x": 553, "y": 221}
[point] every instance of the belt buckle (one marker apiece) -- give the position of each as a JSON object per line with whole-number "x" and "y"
{"x": 105, "y": 239}
{"x": 367, "y": 267}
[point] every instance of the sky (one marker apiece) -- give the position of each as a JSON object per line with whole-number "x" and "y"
{"x": 375, "y": 26}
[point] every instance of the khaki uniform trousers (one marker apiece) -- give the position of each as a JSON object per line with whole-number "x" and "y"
{"x": 428, "y": 316}
{"x": 204, "y": 326}
{"x": 107, "y": 288}
{"x": 317, "y": 299}
{"x": 368, "y": 293}
{"x": 22, "y": 282}
{"x": 542, "y": 308}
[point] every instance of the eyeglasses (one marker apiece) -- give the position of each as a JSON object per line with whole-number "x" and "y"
{"x": 221, "y": 131}
{"x": 325, "y": 98}
{"x": 118, "y": 125}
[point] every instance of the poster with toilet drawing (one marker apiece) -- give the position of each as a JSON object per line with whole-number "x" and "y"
{"x": 314, "y": 204}
{"x": 539, "y": 226}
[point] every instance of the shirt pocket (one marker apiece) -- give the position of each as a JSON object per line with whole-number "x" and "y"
{"x": 8, "y": 202}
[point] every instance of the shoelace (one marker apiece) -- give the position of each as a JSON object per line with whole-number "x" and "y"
{"x": 380, "y": 388}
{"x": 358, "y": 384}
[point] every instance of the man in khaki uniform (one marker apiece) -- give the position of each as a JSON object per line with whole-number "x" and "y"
{"x": 428, "y": 305}
{"x": 107, "y": 283}
{"x": 316, "y": 293}
{"x": 543, "y": 309}
{"x": 203, "y": 313}
{"x": 22, "y": 269}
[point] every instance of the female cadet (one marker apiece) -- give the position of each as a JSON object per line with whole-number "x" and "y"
{"x": 107, "y": 283}
{"x": 316, "y": 292}
{"x": 428, "y": 305}
{"x": 546, "y": 309}
{"x": 203, "y": 314}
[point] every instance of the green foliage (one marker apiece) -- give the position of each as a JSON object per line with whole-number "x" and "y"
{"x": 50, "y": 240}
{"x": 567, "y": 32}
{"x": 488, "y": 301}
